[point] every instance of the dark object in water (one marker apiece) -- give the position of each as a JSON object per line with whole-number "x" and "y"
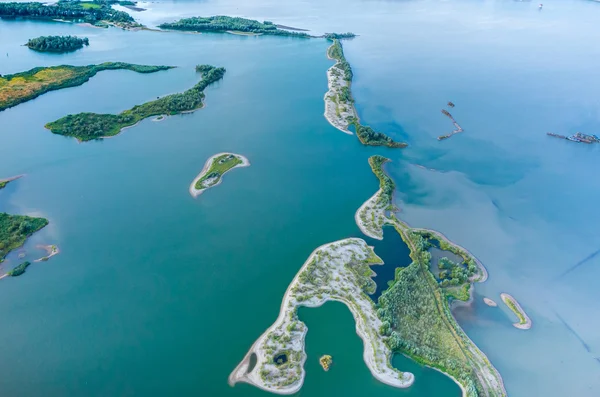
{"x": 451, "y": 104}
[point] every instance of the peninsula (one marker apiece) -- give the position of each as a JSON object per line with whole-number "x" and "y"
{"x": 22, "y": 87}
{"x": 14, "y": 230}
{"x": 5, "y": 181}
{"x": 214, "y": 169}
{"x": 338, "y": 271}
{"x": 90, "y": 126}
{"x": 95, "y": 13}
{"x": 225, "y": 24}
{"x": 57, "y": 43}
{"x": 524, "y": 320}
{"x": 339, "y": 103}
{"x": 432, "y": 338}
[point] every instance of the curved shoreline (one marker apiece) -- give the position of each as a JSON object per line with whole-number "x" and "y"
{"x": 289, "y": 305}
{"x": 51, "y": 250}
{"x": 519, "y": 311}
{"x": 196, "y": 192}
{"x": 330, "y": 105}
{"x": 371, "y": 202}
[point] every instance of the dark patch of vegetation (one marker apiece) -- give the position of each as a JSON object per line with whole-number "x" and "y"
{"x": 222, "y": 23}
{"x": 336, "y": 51}
{"x": 89, "y": 126}
{"x": 17, "y": 271}
{"x": 453, "y": 273}
{"x": 338, "y": 36}
{"x": 57, "y": 43}
{"x": 386, "y": 184}
{"x": 96, "y": 13}
{"x": 14, "y": 230}
{"x": 22, "y": 87}
{"x": 280, "y": 358}
{"x": 3, "y": 184}
{"x": 370, "y": 137}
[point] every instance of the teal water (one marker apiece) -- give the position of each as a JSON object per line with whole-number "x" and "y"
{"x": 156, "y": 293}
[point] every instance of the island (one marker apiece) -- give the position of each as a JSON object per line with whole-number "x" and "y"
{"x": 457, "y": 127}
{"x": 91, "y": 126}
{"x": 338, "y": 271}
{"x": 339, "y": 103}
{"x": 22, "y": 87}
{"x": 51, "y": 250}
{"x": 14, "y": 230}
{"x": 57, "y": 43}
{"x": 214, "y": 169}
{"x": 225, "y": 24}
{"x": 490, "y": 302}
{"x": 96, "y": 13}
{"x": 20, "y": 269}
{"x": 326, "y": 361}
{"x": 524, "y": 320}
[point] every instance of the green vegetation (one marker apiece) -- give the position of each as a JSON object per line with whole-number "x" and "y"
{"x": 453, "y": 273}
{"x": 3, "y": 184}
{"x": 366, "y": 134}
{"x": 338, "y": 36}
{"x": 57, "y": 43}
{"x": 89, "y": 126}
{"x": 97, "y": 13}
{"x": 386, "y": 183}
{"x": 14, "y": 230}
{"x": 222, "y": 24}
{"x": 511, "y": 305}
{"x": 219, "y": 166}
{"x": 21, "y": 87}
{"x": 17, "y": 271}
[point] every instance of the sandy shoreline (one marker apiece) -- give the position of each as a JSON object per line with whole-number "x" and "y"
{"x": 51, "y": 250}
{"x": 378, "y": 361}
{"x": 508, "y": 298}
{"x": 371, "y": 203}
{"x": 334, "y": 84}
{"x": 196, "y": 192}
{"x": 490, "y": 302}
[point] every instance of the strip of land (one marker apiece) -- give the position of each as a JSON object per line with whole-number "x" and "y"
{"x": 339, "y": 103}
{"x": 490, "y": 302}
{"x": 226, "y": 24}
{"x": 214, "y": 169}
{"x": 90, "y": 126}
{"x": 51, "y": 250}
{"x": 5, "y": 181}
{"x": 415, "y": 309}
{"x": 524, "y": 320}
{"x": 338, "y": 271}
{"x": 22, "y": 87}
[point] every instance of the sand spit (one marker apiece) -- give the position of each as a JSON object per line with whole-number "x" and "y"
{"x": 490, "y": 302}
{"x": 370, "y": 217}
{"x": 524, "y": 320}
{"x": 336, "y": 111}
{"x": 51, "y": 250}
{"x": 196, "y": 192}
{"x": 325, "y": 276}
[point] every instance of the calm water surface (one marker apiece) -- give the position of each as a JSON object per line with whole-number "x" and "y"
{"x": 150, "y": 294}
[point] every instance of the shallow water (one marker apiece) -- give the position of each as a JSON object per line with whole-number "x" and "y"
{"x": 150, "y": 292}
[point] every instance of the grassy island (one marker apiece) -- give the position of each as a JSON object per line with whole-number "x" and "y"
{"x": 57, "y": 43}
{"x": 214, "y": 169}
{"x": 90, "y": 126}
{"x": 339, "y": 103}
{"x": 513, "y": 305}
{"x": 339, "y": 271}
{"x": 14, "y": 230}
{"x": 97, "y": 13}
{"x": 415, "y": 310}
{"x": 20, "y": 269}
{"x": 225, "y": 24}
{"x": 21, "y": 87}
{"x": 326, "y": 362}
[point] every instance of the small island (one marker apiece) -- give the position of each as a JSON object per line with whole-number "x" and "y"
{"x": 214, "y": 169}
{"x": 14, "y": 230}
{"x": 95, "y": 13}
{"x": 339, "y": 103}
{"x": 524, "y": 320}
{"x": 20, "y": 269}
{"x": 225, "y": 24}
{"x": 90, "y": 126}
{"x": 457, "y": 127}
{"x": 326, "y": 362}
{"x": 490, "y": 302}
{"x": 22, "y": 87}
{"x": 57, "y": 43}
{"x": 51, "y": 250}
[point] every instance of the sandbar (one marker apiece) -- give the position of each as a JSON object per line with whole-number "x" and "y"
{"x": 524, "y": 320}
{"x": 490, "y": 302}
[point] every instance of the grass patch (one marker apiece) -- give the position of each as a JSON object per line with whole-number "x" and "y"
{"x": 220, "y": 166}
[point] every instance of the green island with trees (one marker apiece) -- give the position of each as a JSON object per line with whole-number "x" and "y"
{"x": 341, "y": 94}
{"x": 222, "y": 24}
{"x": 98, "y": 13}
{"x": 20, "y": 269}
{"x": 220, "y": 165}
{"x": 21, "y": 87}
{"x": 14, "y": 230}
{"x": 57, "y": 43}
{"x": 90, "y": 126}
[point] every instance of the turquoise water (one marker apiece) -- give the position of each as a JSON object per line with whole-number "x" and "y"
{"x": 156, "y": 293}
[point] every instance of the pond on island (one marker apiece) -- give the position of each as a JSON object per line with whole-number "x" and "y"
{"x": 437, "y": 254}
{"x": 394, "y": 253}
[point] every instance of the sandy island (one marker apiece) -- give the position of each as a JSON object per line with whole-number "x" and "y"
{"x": 325, "y": 276}
{"x": 370, "y": 217}
{"x": 336, "y": 112}
{"x": 490, "y": 302}
{"x": 12, "y": 178}
{"x": 524, "y": 320}
{"x": 51, "y": 250}
{"x": 196, "y": 192}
